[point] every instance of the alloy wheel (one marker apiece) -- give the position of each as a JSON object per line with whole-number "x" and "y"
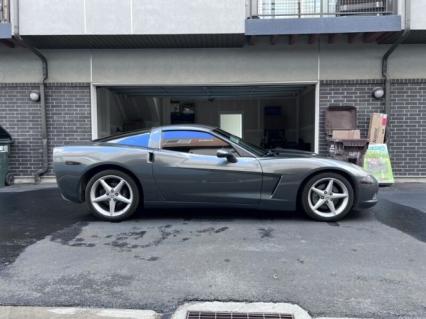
{"x": 111, "y": 196}
{"x": 328, "y": 197}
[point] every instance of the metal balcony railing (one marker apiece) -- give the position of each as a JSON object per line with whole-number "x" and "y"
{"x": 4, "y": 11}
{"x": 267, "y": 9}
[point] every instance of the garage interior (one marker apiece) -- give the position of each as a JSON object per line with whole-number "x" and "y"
{"x": 271, "y": 116}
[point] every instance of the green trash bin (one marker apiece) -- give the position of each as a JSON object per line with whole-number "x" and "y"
{"x": 5, "y": 143}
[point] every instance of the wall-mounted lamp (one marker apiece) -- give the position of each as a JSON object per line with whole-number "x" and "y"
{"x": 35, "y": 96}
{"x": 378, "y": 93}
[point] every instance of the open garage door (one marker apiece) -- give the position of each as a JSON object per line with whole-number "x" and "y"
{"x": 266, "y": 115}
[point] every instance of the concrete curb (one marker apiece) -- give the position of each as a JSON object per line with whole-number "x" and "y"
{"x": 19, "y": 180}
{"x": 11, "y": 312}
{"x": 74, "y": 313}
{"x": 27, "y": 187}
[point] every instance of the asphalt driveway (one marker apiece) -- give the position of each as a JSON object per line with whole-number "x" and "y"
{"x": 373, "y": 264}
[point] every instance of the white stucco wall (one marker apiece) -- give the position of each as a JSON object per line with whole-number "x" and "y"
{"x": 418, "y": 18}
{"x": 205, "y": 66}
{"x": 252, "y": 64}
{"x": 51, "y": 17}
{"x": 75, "y": 17}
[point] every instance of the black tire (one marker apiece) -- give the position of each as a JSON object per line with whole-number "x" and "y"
{"x": 305, "y": 201}
{"x": 131, "y": 188}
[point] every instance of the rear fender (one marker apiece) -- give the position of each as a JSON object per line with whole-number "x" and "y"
{"x": 94, "y": 169}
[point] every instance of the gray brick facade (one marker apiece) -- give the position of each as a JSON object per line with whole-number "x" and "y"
{"x": 353, "y": 93}
{"x": 68, "y": 119}
{"x": 21, "y": 118}
{"x": 408, "y": 127}
{"x": 407, "y": 143}
{"x": 68, "y": 115}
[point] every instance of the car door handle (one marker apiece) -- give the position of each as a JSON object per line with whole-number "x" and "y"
{"x": 150, "y": 157}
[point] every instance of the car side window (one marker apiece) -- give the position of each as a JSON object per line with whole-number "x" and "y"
{"x": 195, "y": 142}
{"x": 140, "y": 140}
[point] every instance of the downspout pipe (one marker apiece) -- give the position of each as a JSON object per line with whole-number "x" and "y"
{"x": 45, "y": 74}
{"x": 385, "y": 58}
{"x": 45, "y": 161}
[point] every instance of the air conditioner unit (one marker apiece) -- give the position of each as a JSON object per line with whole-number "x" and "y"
{"x": 361, "y": 7}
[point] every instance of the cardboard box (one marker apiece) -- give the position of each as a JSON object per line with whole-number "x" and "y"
{"x": 346, "y": 134}
{"x": 377, "y": 129}
{"x": 340, "y": 118}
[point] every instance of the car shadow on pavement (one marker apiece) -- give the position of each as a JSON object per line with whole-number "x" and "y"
{"x": 408, "y": 220}
{"x": 27, "y": 217}
{"x": 234, "y": 214}
{"x": 215, "y": 214}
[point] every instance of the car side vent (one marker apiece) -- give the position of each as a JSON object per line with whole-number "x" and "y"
{"x": 236, "y": 315}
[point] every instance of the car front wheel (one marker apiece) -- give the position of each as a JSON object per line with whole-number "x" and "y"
{"x": 112, "y": 195}
{"x": 327, "y": 197}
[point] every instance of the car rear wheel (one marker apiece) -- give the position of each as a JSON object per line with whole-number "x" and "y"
{"x": 327, "y": 197}
{"x": 112, "y": 195}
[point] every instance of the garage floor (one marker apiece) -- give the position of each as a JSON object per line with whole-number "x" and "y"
{"x": 372, "y": 264}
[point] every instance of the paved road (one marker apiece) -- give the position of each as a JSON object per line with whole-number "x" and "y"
{"x": 408, "y": 194}
{"x": 372, "y": 264}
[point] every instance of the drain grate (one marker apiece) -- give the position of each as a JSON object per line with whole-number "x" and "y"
{"x": 236, "y": 315}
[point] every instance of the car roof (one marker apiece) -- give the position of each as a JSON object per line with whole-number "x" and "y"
{"x": 187, "y": 127}
{"x": 190, "y": 127}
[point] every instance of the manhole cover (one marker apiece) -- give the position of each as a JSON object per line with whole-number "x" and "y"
{"x": 236, "y": 315}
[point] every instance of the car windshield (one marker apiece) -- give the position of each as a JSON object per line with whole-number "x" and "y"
{"x": 257, "y": 150}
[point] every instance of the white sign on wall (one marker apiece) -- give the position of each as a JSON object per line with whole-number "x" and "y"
{"x": 232, "y": 123}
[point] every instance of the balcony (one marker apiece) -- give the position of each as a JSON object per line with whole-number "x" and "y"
{"x": 292, "y": 17}
{"x": 5, "y": 26}
{"x": 271, "y": 9}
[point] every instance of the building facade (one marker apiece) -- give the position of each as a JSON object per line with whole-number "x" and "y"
{"x": 273, "y": 66}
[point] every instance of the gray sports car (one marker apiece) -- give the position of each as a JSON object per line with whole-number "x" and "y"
{"x": 192, "y": 165}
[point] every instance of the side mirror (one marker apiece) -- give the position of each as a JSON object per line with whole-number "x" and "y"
{"x": 225, "y": 154}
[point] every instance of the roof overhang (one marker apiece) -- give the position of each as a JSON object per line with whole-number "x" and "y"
{"x": 135, "y": 41}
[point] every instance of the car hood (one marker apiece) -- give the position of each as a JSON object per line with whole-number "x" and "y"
{"x": 290, "y": 161}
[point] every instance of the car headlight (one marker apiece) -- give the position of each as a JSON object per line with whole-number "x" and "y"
{"x": 368, "y": 179}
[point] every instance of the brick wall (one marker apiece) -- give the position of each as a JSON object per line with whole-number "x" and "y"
{"x": 21, "y": 118}
{"x": 408, "y": 127}
{"x": 408, "y": 118}
{"x": 68, "y": 119}
{"x": 68, "y": 115}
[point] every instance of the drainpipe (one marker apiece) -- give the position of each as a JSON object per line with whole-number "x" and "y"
{"x": 385, "y": 75}
{"x": 45, "y": 75}
{"x": 45, "y": 160}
